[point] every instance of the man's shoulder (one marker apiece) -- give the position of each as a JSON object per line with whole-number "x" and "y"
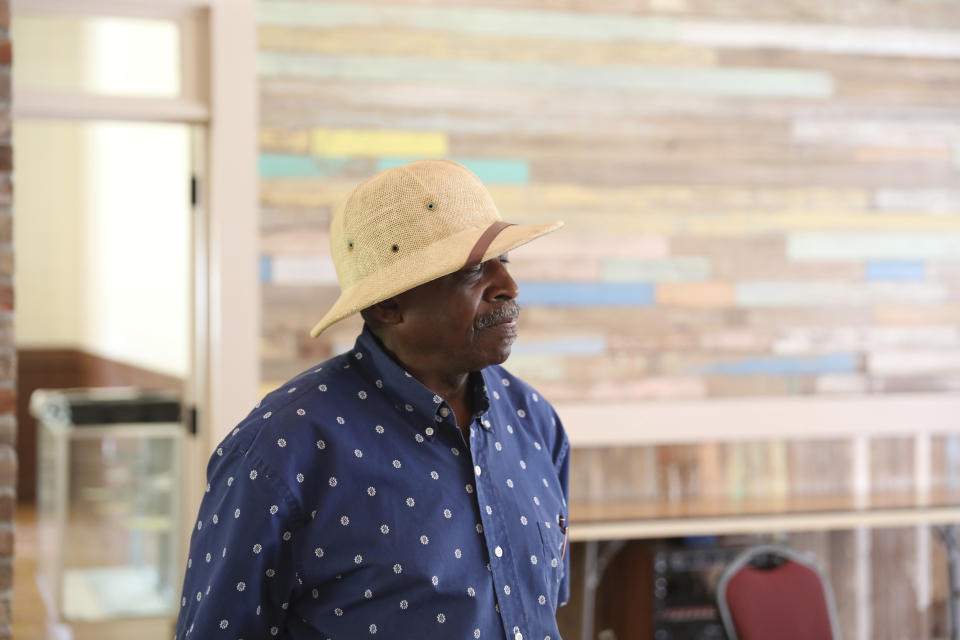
{"x": 291, "y": 402}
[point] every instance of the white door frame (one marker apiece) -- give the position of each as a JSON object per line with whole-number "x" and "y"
{"x": 220, "y": 93}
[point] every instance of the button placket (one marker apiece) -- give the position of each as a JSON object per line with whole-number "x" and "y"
{"x": 504, "y": 572}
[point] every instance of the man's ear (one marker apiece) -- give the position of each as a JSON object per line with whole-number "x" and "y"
{"x": 386, "y": 312}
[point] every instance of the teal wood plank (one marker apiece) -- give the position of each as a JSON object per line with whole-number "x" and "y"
{"x": 291, "y": 165}
{"x": 490, "y": 171}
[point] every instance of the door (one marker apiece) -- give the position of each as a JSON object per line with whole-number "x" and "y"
{"x": 119, "y": 158}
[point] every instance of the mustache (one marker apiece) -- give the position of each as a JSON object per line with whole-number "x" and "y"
{"x": 507, "y": 312}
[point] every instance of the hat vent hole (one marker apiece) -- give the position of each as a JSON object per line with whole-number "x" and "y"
{"x": 350, "y": 245}
{"x": 395, "y": 248}
{"x": 431, "y": 206}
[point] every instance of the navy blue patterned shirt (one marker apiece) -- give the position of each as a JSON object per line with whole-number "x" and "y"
{"x": 348, "y": 505}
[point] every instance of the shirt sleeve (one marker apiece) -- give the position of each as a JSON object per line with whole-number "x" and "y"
{"x": 241, "y": 571}
{"x": 562, "y": 465}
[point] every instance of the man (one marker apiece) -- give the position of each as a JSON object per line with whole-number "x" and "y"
{"x": 411, "y": 487}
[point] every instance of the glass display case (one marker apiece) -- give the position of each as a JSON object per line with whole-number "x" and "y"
{"x": 108, "y": 502}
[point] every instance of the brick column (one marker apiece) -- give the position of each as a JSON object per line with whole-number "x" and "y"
{"x": 8, "y": 382}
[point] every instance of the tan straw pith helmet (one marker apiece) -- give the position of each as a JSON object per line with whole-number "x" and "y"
{"x": 411, "y": 224}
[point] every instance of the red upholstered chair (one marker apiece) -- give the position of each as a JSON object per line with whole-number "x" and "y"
{"x": 773, "y": 593}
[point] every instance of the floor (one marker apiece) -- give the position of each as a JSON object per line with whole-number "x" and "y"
{"x": 30, "y": 619}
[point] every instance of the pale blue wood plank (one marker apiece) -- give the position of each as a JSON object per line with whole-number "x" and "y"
{"x": 897, "y": 270}
{"x": 266, "y": 269}
{"x": 729, "y": 82}
{"x": 553, "y": 294}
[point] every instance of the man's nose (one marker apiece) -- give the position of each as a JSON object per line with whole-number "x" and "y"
{"x": 501, "y": 283}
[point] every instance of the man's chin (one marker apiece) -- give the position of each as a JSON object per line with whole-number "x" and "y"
{"x": 499, "y": 356}
{"x": 494, "y": 344}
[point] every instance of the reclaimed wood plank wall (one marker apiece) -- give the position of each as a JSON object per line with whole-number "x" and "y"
{"x": 761, "y": 198}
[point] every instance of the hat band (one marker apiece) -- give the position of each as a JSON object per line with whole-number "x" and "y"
{"x": 476, "y": 254}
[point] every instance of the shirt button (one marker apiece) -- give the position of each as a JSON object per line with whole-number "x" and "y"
{"x": 518, "y": 636}
{"x": 498, "y": 552}
{"x": 444, "y": 412}
{"x": 476, "y": 469}
{"x": 428, "y": 431}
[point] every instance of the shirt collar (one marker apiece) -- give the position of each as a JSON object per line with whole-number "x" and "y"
{"x": 407, "y": 394}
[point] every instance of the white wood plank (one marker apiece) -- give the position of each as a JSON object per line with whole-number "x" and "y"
{"x": 882, "y": 41}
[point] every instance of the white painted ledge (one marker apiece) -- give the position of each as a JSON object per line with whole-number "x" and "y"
{"x": 739, "y": 419}
{"x": 732, "y": 525}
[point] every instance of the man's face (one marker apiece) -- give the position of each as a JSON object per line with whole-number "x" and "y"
{"x": 464, "y": 321}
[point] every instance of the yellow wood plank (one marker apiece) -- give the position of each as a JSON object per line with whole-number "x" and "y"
{"x": 642, "y": 213}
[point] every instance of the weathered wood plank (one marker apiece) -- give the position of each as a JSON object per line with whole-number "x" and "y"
{"x": 449, "y": 45}
{"x": 303, "y": 102}
{"x": 727, "y": 82}
{"x": 538, "y": 21}
{"x": 912, "y": 13}
{"x": 821, "y": 294}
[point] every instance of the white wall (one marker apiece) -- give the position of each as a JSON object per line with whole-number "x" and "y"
{"x": 102, "y": 240}
{"x": 136, "y": 236}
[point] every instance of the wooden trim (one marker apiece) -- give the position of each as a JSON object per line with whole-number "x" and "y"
{"x": 76, "y": 106}
{"x": 158, "y": 9}
{"x": 233, "y": 224}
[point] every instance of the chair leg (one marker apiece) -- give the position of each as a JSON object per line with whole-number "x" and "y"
{"x": 590, "y": 582}
{"x": 595, "y": 565}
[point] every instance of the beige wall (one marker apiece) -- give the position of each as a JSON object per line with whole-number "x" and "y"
{"x": 102, "y": 238}
{"x": 46, "y": 236}
{"x": 102, "y": 241}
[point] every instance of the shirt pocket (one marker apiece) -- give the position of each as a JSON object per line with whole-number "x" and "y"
{"x": 552, "y": 539}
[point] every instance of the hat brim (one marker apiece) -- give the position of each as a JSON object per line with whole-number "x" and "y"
{"x": 435, "y": 261}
